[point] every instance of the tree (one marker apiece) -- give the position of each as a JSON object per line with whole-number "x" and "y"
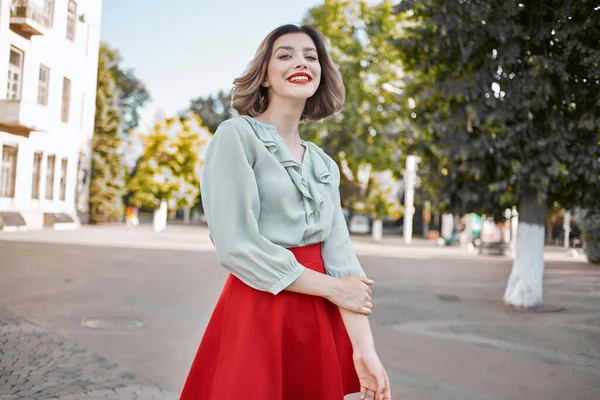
{"x": 382, "y": 201}
{"x": 589, "y": 220}
{"x": 170, "y": 166}
{"x": 132, "y": 93}
{"x": 506, "y": 102}
{"x": 213, "y": 109}
{"x": 107, "y": 185}
{"x": 366, "y": 131}
{"x": 119, "y": 95}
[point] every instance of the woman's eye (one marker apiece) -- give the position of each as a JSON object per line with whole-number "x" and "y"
{"x": 284, "y": 56}
{"x": 312, "y": 58}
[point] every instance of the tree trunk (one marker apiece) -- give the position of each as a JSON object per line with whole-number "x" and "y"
{"x": 549, "y": 227}
{"x": 186, "y": 215}
{"x": 377, "y": 230}
{"x": 426, "y": 219}
{"x": 524, "y": 288}
{"x": 159, "y": 222}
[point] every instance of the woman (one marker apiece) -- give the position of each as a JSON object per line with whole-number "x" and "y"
{"x": 291, "y": 322}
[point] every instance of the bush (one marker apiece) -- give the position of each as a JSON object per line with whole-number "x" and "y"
{"x": 589, "y": 220}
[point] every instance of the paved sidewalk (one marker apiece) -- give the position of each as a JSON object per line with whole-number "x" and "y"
{"x": 195, "y": 238}
{"x": 37, "y": 364}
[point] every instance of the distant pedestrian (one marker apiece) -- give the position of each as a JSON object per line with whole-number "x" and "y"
{"x": 291, "y": 322}
{"x": 131, "y": 216}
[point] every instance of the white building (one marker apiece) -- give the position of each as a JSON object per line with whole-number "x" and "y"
{"x": 48, "y": 67}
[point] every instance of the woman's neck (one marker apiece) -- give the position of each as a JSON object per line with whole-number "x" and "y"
{"x": 286, "y": 118}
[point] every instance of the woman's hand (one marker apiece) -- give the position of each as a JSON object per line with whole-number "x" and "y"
{"x": 374, "y": 382}
{"x": 352, "y": 293}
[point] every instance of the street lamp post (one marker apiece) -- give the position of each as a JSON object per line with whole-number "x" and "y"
{"x": 410, "y": 175}
{"x": 567, "y": 227}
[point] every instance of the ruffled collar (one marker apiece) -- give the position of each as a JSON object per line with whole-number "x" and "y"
{"x": 313, "y": 160}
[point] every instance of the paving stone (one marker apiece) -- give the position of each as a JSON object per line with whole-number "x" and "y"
{"x": 37, "y": 364}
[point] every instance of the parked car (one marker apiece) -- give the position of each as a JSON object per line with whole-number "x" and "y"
{"x": 359, "y": 224}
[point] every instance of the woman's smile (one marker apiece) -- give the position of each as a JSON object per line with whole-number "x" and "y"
{"x": 300, "y": 78}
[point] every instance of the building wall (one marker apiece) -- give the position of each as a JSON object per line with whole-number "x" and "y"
{"x": 78, "y": 61}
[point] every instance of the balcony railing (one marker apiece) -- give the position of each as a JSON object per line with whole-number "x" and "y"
{"x": 22, "y": 12}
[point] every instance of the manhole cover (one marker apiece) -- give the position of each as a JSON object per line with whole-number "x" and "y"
{"x": 113, "y": 323}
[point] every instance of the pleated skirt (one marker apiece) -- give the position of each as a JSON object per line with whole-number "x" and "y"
{"x": 289, "y": 346}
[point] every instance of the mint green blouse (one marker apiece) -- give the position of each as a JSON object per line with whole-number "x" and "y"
{"x": 259, "y": 201}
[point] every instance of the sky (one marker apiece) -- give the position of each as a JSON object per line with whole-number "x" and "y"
{"x": 182, "y": 49}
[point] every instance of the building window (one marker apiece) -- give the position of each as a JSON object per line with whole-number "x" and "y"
{"x": 50, "y": 177}
{"x": 49, "y": 12}
{"x": 71, "y": 20}
{"x": 37, "y": 176}
{"x": 63, "y": 179}
{"x": 8, "y": 173}
{"x": 43, "y": 83}
{"x": 66, "y": 100}
{"x": 15, "y": 74}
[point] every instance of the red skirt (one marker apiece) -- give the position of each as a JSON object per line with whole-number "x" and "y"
{"x": 289, "y": 346}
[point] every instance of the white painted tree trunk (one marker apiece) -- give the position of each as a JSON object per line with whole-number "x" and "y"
{"x": 469, "y": 228}
{"x": 525, "y": 284}
{"x": 447, "y": 226}
{"x": 186, "y": 215}
{"x": 377, "y": 230}
{"x": 514, "y": 231}
{"x": 159, "y": 221}
{"x": 567, "y": 228}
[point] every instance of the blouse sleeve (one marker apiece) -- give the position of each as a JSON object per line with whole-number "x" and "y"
{"x": 337, "y": 251}
{"x": 231, "y": 205}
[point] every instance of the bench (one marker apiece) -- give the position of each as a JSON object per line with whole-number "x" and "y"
{"x": 492, "y": 248}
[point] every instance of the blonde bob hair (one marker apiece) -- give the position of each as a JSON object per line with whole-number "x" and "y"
{"x": 249, "y": 97}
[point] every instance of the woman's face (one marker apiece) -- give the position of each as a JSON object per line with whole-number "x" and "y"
{"x": 294, "y": 70}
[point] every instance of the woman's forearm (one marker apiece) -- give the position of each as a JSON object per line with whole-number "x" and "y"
{"x": 351, "y": 293}
{"x": 314, "y": 283}
{"x": 359, "y": 330}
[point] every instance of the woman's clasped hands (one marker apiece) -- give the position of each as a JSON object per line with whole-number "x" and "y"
{"x": 353, "y": 293}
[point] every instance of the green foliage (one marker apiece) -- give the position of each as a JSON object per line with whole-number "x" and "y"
{"x": 170, "y": 165}
{"x": 381, "y": 203}
{"x": 107, "y": 185}
{"x": 589, "y": 221}
{"x": 132, "y": 93}
{"x": 507, "y": 98}
{"x": 119, "y": 95}
{"x": 368, "y": 129}
{"x": 213, "y": 109}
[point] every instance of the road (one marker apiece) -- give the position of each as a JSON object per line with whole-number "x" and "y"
{"x": 146, "y": 298}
